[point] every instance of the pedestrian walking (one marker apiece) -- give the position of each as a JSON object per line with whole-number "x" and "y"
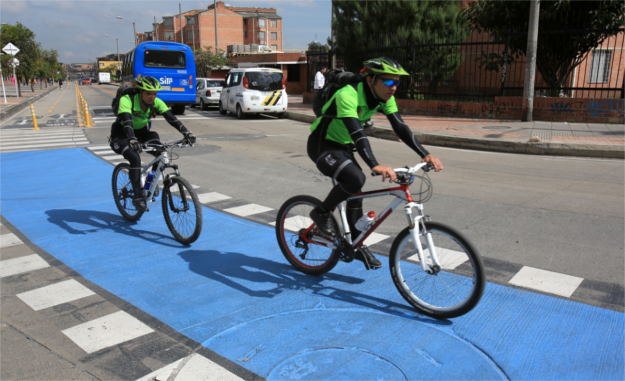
{"x": 61, "y": 83}
{"x": 320, "y": 79}
{"x": 12, "y": 80}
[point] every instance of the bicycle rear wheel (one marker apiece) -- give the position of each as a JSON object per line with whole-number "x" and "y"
{"x": 182, "y": 210}
{"x": 123, "y": 193}
{"x": 302, "y": 252}
{"x": 454, "y": 289}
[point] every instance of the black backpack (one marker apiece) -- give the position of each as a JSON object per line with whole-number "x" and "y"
{"x": 123, "y": 90}
{"x": 335, "y": 80}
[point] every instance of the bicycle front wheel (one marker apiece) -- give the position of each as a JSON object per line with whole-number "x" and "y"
{"x": 297, "y": 235}
{"x": 123, "y": 193}
{"x": 182, "y": 210}
{"x": 451, "y": 290}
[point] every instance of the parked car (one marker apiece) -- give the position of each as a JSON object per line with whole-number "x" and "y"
{"x": 86, "y": 81}
{"x": 254, "y": 91}
{"x": 207, "y": 92}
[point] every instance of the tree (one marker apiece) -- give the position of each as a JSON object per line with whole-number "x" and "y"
{"x": 206, "y": 61}
{"x": 29, "y": 54}
{"x": 557, "y": 54}
{"x": 376, "y": 24}
{"x": 317, "y": 46}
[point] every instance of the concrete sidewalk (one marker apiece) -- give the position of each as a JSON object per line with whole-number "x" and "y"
{"x": 540, "y": 138}
{"x": 15, "y": 104}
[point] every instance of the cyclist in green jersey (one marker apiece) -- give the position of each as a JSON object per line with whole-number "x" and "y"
{"x": 132, "y": 127}
{"x": 339, "y": 132}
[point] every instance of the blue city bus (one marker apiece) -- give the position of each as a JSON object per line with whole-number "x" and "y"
{"x": 169, "y": 62}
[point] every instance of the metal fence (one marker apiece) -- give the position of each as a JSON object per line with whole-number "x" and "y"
{"x": 478, "y": 68}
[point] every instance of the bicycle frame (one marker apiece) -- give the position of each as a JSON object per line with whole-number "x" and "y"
{"x": 416, "y": 224}
{"x": 163, "y": 161}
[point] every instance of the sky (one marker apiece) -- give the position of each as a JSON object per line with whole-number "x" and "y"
{"x": 77, "y": 28}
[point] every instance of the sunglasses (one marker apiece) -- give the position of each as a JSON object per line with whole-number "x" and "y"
{"x": 391, "y": 82}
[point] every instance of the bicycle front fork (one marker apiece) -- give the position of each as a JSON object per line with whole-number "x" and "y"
{"x": 417, "y": 229}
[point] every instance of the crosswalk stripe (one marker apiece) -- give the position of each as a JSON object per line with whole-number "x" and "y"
{"x": 20, "y": 265}
{"x": 55, "y": 294}
{"x": 29, "y": 130}
{"x": 98, "y": 148}
{"x": 68, "y": 140}
{"x": 44, "y": 145}
{"x": 22, "y": 138}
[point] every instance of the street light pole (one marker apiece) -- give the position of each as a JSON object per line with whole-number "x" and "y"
{"x": 133, "y": 28}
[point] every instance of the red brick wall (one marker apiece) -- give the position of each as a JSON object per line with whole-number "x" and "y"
{"x": 296, "y": 87}
{"x": 574, "y": 110}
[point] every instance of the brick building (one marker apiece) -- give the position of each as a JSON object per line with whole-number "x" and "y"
{"x": 236, "y": 26}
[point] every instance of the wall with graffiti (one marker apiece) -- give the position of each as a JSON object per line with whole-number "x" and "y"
{"x": 573, "y": 110}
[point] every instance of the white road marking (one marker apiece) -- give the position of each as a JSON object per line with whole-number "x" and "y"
{"x": 193, "y": 368}
{"x": 546, "y": 281}
{"x": 20, "y": 265}
{"x": 68, "y": 140}
{"x": 375, "y": 238}
{"x": 449, "y": 259}
{"x": 10, "y": 239}
{"x": 248, "y": 210}
{"x": 205, "y": 198}
{"x": 55, "y": 294}
{"x": 44, "y": 145}
{"x": 107, "y": 331}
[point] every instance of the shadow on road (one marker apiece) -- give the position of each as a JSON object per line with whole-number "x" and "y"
{"x": 90, "y": 221}
{"x": 260, "y": 277}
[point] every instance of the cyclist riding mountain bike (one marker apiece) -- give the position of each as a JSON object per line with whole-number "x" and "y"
{"x": 132, "y": 127}
{"x": 339, "y": 132}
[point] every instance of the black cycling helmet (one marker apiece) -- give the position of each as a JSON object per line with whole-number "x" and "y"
{"x": 148, "y": 84}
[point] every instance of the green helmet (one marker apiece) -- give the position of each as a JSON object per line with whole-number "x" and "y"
{"x": 383, "y": 65}
{"x": 148, "y": 84}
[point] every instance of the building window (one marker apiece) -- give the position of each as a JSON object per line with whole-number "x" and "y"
{"x": 189, "y": 35}
{"x": 191, "y": 21}
{"x": 261, "y": 36}
{"x": 168, "y": 22}
{"x": 261, "y": 23}
{"x": 600, "y": 66}
{"x": 244, "y": 21}
{"x": 274, "y": 47}
{"x": 169, "y": 36}
{"x": 274, "y": 35}
{"x": 101, "y": 64}
{"x": 292, "y": 73}
{"x": 274, "y": 23}
{"x": 245, "y": 34}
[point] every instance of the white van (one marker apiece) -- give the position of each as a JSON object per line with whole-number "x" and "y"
{"x": 254, "y": 91}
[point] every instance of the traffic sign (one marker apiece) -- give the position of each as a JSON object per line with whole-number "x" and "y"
{"x": 10, "y": 49}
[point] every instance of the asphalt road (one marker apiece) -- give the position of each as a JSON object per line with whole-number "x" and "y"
{"x": 561, "y": 217}
{"x": 553, "y": 213}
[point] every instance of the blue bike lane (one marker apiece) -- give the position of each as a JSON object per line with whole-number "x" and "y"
{"x": 233, "y": 292}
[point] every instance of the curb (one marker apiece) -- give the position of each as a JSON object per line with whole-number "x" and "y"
{"x": 10, "y": 111}
{"x": 482, "y": 144}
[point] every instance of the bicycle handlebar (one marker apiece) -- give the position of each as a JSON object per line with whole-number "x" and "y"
{"x": 163, "y": 146}
{"x": 426, "y": 166}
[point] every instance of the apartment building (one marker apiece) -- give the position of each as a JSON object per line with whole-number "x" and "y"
{"x": 235, "y": 26}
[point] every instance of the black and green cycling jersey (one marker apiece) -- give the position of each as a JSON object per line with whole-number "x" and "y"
{"x": 344, "y": 115}
{"x": 351, "y": 102}
{"x": 131, "y": 118}
{"x": 139, "y": 117}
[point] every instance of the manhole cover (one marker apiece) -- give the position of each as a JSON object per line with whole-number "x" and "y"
{"x": 230, "y": 137}
{"x": 496, "y": 127}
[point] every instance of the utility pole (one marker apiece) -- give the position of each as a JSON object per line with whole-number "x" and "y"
{"x": 530, "y": 68}
{"x": 155, "y": 31}
{"x": 216, "y": 38}
{"x": 333, "y": 57}
{"x": 180, "y": 16}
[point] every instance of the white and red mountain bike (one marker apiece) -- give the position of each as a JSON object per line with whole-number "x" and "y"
{"x": 434, "y": 266}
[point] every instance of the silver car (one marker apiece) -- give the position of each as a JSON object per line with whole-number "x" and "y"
{"x": 207, "y": 92}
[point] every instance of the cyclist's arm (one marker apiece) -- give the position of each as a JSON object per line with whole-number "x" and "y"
{"x": 125, "y": 117}
{"x": 174, "y": 122}
{"x": 162, "y": 109}
{"x": 403, "y": 131}
{"x": 360, "y": 140}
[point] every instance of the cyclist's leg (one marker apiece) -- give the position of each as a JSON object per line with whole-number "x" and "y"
{"x": 149, "y": 137}
{"x": 121, "y": 147}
